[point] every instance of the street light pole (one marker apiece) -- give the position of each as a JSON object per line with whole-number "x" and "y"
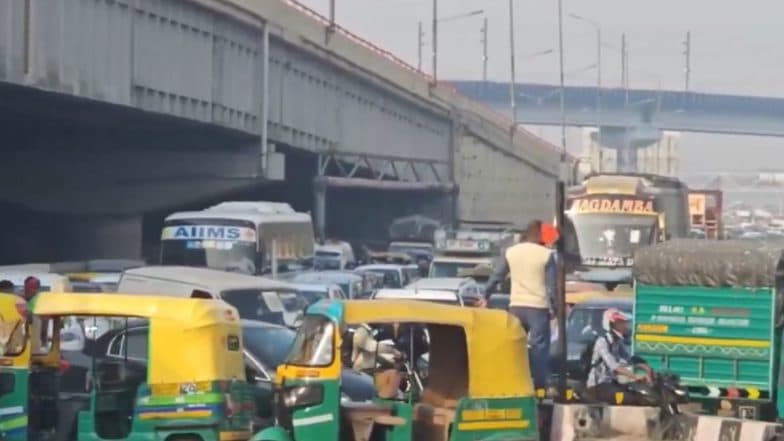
{"x": 420, "y": 44}
{"x": 435, "y": 41}
{"x": 560, "y": 207}
{"x": 599, "y": 94}
{"x": 513, "y": 79}
{"x": 561, "y": 69}
{"x": 624, "y": 65}
{"x": 687, "y": 54}
{"x": 484, "y": 51}
{"x": 332, "y": 15}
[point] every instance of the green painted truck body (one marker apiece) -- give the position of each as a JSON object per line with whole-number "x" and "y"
{"x": 722, "y": 341}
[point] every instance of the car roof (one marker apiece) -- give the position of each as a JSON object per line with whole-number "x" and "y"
{"x": 380, "y": 266}
{"x": 239, "y": 214}
{"x": 330, "y": 276}
{"x": 606, "y": 303}
{"x": 409, "y": 294}
{"x": 450, "y": 283}
{"x": 313, "y": 286}
{"x": 206, "y": 277}
{"x": 420, "y": 245}
{"x": 462, "y": 259}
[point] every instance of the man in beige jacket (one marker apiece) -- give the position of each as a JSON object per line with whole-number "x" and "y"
{"x": 531, "y": 267}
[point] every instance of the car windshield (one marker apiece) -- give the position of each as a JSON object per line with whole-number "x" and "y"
{"x": 293, "y": 302}
{"x": 270, "y": 345}
{"x": 449, "y": 269}
{"x": 255, "y": 304}
{"x": 310, "y": 296}
{"x": 326, "y": 260}
{"x": 391, "y": 277}
{"x": 605, "y": 238}
{"x": 584, "y": 324}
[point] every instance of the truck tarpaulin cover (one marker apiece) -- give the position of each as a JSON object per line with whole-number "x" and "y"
{"x": 713, "y": 263}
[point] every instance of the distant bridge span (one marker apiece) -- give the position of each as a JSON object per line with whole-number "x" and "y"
{"x": 539, "y": 104}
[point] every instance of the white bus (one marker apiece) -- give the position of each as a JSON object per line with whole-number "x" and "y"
{"x": 238, "y": 236}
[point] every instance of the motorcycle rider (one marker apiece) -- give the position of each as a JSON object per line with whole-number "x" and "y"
{"x": 611, "y": 362}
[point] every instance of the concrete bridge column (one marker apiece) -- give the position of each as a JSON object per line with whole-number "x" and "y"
{"x": 320, "y": 209}
{"x": 626, "y": 142}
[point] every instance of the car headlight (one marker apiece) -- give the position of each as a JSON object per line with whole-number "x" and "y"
{"x": 304, "y": 395}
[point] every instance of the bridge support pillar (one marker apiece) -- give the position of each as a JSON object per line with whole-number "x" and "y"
{"x": 624, "y": 143}
{"x": 320, "y": 209}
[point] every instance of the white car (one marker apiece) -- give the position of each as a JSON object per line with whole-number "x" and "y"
{"x": 395, "y": 276}
{"x": 306, "y": 295}
{"x": 445, "y": 297}
{"x": 465, "y": 287}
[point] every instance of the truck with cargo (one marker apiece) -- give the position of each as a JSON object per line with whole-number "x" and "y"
{"x": 710, "y": 311}
{"x": 705, "y": 211}
{"x": 473, "y": 244}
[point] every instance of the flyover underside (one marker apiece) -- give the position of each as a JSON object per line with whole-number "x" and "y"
{"x": 84, "y": 179}
{"x": 193, "y": 60}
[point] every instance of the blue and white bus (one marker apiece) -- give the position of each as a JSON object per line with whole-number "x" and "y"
{"x": 238, "y": 236}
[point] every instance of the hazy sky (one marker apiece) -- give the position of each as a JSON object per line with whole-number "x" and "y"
{"x": 736, "y": 47}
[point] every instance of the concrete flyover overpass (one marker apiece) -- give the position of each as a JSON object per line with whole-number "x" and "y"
{"x": 113, "y": 113}
{"x": 634, "y": 118}
{"x": 539, "y": 104}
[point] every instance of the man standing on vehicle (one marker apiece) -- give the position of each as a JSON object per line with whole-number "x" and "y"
{"x": 31, "y": 287}
{"x": 530, "y": 263}
{"x": 611, "y": 363}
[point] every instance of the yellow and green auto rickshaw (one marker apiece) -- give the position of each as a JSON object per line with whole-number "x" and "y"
{"x": 190, "y": 385}
{"x": 479, "y": 387}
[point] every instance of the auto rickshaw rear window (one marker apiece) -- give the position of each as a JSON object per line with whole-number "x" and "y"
{"x": 314, "y": 344}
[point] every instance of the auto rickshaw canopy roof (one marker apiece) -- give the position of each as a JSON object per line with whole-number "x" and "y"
{"x": 190, "y": 340}
{"x": 495, "y": 356}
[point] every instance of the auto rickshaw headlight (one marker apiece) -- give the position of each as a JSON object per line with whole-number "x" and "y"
{"x": 304, "y": 395}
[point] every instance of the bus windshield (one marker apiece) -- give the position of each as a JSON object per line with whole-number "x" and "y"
{"x": 221, "y": 246}
{"x": 611, "y": 239}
